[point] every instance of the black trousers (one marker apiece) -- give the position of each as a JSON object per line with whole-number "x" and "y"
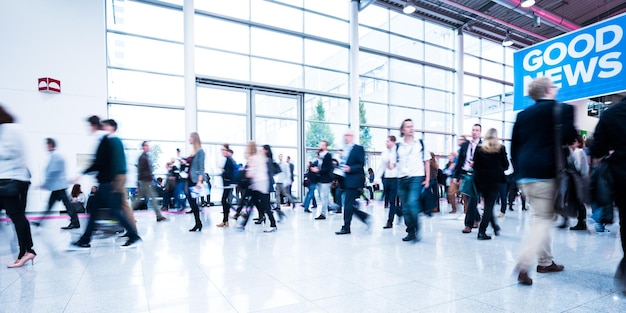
{"x": 262, "y": 203}
{"x": 16, "y": 210}
{"x": 193, "y": 203}
{"x": 226, "y": 195}
{"x": 61, "y": 195}
{"x": 104, "y": 198}
{"x": 490, "y": 193}
{"x": 350, "y": 207}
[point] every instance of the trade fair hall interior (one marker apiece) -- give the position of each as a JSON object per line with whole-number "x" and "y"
{"x": 292, "y": 74}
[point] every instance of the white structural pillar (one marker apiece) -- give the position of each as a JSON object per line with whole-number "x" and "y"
{"x": 459, "y": 85}
{"x": 354, "y": 68}
{"x": 191, "y": 112}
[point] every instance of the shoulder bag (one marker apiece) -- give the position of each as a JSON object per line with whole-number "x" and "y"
{"x": 569, "y": 184}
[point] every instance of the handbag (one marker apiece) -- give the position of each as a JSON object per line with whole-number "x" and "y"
{"x": 9, "y": 188}
{"x": 569, "y": 183}
{"x": 602, "y": 191}
{"x": 468, "y": 186}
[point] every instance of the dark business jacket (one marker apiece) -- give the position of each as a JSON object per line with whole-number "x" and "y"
{"x": 489, "y": 168}
{"x": 461, "y": 160}
{"x": 610, "y": 134}
{"x": 326, "y": 169}
{"x": 355, "y": 179}
{"x": 533, "y": 143}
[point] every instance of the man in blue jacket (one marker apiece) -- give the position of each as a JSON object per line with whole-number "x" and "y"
{"x": 56, "y": 182}
{"x": 352, "y": 163}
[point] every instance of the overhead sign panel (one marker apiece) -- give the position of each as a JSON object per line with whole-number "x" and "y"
{"x": 584, "y": 63}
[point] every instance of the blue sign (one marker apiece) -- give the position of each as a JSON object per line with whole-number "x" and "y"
{"x": 584, "y": 63}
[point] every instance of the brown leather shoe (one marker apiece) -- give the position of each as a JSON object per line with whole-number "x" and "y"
{"x": 524, "y": 279}
{"x": 467, "y": 230}
{"x": 550, "y": 268}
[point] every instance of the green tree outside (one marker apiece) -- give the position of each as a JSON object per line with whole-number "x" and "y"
{"x": 365, "y": 137}
{"x": 319, "y": 131}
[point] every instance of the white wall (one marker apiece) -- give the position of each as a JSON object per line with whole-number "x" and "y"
{"x": 62, "y": 39}
{"x": 581, "y": 119}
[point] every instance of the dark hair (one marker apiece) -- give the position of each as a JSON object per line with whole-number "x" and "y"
{"x": 5, "y": 117}
{"x": 94, "y": 120}
{"x": 159, "y": 179}
{"x": 227, "y": 148}
{"x": 580, "y": 140}
{"x": 144, "y": 143}
{"x": 50, "y": 141}
{"x": 481, "y": 126}
{"x": 75, "y": 190}
{"x": 111, "y": 123}
{"x": 392, "y": 138}
{"x": 268, "y": 152}
{"x": 177, "y": 150}
{"x": 402, "y": 126}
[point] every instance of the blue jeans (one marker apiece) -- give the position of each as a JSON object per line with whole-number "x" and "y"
{"x": 409, "y": 189}
{"x": 309, "y": 196}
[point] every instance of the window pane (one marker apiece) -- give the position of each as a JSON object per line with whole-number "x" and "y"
{"x": 274, "y": 131}
{"x": 436, "y": 34}
{"x": 146, "y": 88}
{"x": 494, "y": 70}
{"x": 138, "y": 122}
{"x": 490, "y": 88}
{"x": 286, "y": 107}
{"x": 375, "y": 16}
{"x": 220, "y": 128}
{"x": 276, "y": 73}
{"x": 437, "y": 144}
{"x": 264, "y": 44}
{"x": 145, "y": 19}
{"x": 327, "y": 81}
{"x": 488, "y": 124}
{"x": 406, "y": 72}
{"x": 437, "y": 100}
{"x": 439, "y": 56}
{"x": 373, "y": 39}
{"x": 327, "y": 109}
{"x": 471, "y": 86}
{"x": 222, "y": 100}
{"x": 374, "y": 90}
{"x": 265, "y": 12}
{"x": 376, "y": 142}
{"x": 407, "y": 26}
{"x": 399, "y": 114}
{"x": 471, "y": 64}
{"x": 210, "y": 32}
{"x": 336, "y": 8}
{"x": 326, "y": 27}
{"x": 435, "y": 121}
{"x": 492, "y": 51}
{"x": 406, "y": 95}
{"x": 222, "y": 64}
{"x": 373, "y": 65}
{"x": 325, "y": 55}
{"x": 234, "y": 8}
{"x": 471, "y": 44}
{"x": 407, "y": 47}
{"x": 375, "y": 114}
{"x": 144, "y": 54}
{"x": 436, "y": 78}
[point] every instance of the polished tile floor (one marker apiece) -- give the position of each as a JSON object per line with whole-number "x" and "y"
{"x": 305, "y": 267}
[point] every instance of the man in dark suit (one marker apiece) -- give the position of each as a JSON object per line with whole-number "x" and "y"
{"x": 610, "y": 135}
{"x": 352, "y": 163}
{"x": 534, "y": 160}
{"x": 464, "y": 165}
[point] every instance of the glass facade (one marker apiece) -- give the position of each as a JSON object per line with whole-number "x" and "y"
{"x": 285, "y": 81}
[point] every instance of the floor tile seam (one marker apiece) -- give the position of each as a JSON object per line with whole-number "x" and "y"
{"x": 461, "y": 297}
{"x": 82, "y": 275}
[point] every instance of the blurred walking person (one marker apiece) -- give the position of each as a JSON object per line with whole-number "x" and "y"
{"x": 14, "y": 183}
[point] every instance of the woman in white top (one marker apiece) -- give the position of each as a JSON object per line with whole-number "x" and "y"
{"x": 260, "y": 182}
{"x": 14, "y": 183}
